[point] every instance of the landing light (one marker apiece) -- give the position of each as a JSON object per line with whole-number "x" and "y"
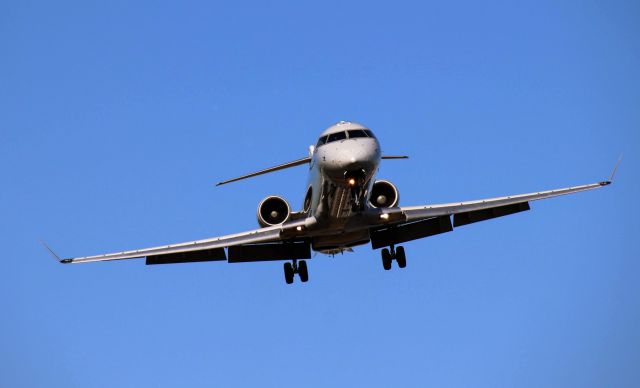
{"x": 384, "y": 216}
{"x": 351, "y": 181}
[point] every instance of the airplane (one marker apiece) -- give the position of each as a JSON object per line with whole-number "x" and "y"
{"x": 344, "y": 206}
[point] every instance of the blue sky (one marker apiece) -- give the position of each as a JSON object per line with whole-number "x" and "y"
{"x": 116, "y": 120}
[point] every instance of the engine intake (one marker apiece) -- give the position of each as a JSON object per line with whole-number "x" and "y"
{"x": 384, "y": 194}
{"x": 273, "y": 210}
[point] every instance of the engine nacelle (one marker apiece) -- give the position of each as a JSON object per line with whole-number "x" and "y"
{"x": 384, "y": 194}
{"x": 273, "y": 210}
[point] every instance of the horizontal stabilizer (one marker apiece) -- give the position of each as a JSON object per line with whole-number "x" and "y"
{"x": 295, "y": 163}
{"x": 387, "y": 157}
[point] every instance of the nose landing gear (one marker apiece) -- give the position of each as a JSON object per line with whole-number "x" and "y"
{"x": 388, "y": 255}
{"x": 290, "y": 269}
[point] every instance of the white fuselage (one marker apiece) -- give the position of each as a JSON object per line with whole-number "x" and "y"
{"x": 340, "y": 178}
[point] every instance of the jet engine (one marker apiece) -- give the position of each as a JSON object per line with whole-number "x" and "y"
{"x": 273, "y": 210}
{"x": 384, "y": 194}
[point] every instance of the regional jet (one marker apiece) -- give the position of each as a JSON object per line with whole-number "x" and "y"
{"x": 344, "y": 206}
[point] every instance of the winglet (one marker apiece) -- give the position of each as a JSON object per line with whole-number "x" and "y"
{"x": 613, "y": 173}
{"x": 55, "y": 256}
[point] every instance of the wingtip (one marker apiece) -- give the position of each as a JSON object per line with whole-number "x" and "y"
{"x": 615, "y": 169}
{"x": 54, "y": 255}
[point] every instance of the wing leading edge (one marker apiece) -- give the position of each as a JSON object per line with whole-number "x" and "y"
{"x": 504, "y": 205}
{"x": 414, "y": 213}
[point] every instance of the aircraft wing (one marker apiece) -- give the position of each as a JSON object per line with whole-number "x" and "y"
{"x": 402, "y": 224}
{"x": 478, "y": 208}
{"x": 209, "y": 249}
{"x": 483, "y": 209}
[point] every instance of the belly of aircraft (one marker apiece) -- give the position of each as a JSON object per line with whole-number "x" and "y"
{"x": 342, "y": 205}
{"x": 338, "y": 242}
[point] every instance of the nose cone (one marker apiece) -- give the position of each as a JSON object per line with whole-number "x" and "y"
{"x": 352, "y": 157}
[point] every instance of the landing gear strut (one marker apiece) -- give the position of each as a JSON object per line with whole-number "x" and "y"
{"x": 295, "y": 267}
{"x": 397, "y": 254}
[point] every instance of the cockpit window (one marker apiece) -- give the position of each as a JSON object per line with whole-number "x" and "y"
{"x": 354, "y": 133}
{"x": 321, "y": 141}
{"x": 336, "y": 136}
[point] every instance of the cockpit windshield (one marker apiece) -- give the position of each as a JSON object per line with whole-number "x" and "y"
{"x": 321, "y": 141}
{"x": 336, "y": 136}
{"x": 351, "y": 134}
{"x": 357, "y": 133}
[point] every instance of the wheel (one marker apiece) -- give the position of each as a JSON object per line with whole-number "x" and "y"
{"x": 303, "y": 271}
{"x": 400, "y": 257}
{"x": 288, "y": 273}
{"x": 386, "y": 259}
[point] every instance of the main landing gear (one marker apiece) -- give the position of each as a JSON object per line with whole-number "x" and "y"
{"x": 300, "y": 268}
{"x": 397, "y": 254}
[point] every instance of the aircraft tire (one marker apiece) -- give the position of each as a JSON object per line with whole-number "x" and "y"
{"x": 303, "y": 271}
{"x": 401, "y": 258}
{"x": 288, "y": 273}
{"x": 386, "y": 259}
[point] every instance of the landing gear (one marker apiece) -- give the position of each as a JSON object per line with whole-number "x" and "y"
{"x": 303, "y": 272}
{"x": 290, "y": 269}
{"x": 386, "y": 259}
{"x": 401, "y": 259}
{"x": 288, "y": 273}
{"x": 388, "y": 255}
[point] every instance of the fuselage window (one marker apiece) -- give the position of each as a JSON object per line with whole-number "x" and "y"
{"x": 357, "y": 133}
{"x": 336, "y": 136}
{"x": 321, "y": 141}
